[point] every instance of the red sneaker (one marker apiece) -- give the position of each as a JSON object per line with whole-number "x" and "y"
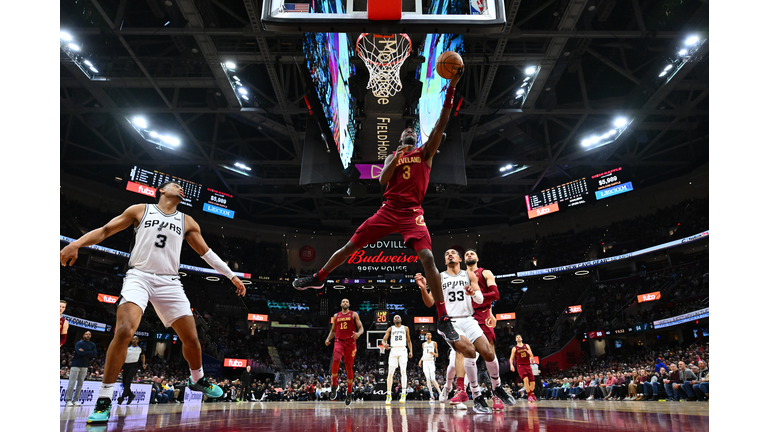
{"x": 534, "y": 398}
{"x": 530, "y": 399}
{"x": 461, "y": 397}
{"x": 497, "y": 405}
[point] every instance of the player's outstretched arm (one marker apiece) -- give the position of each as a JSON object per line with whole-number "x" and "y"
{"x": 435, "y": 345}
{"x": 195, "y": 240}
{"x": 433, "y": 142}
{"x": 132, "y": 214}
{"x": 359, "y": 325}
{"x": 421, "y": 281}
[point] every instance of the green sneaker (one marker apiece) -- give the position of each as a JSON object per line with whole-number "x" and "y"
{"x": 202, "y": 385}
{"x": 101, "y": 410}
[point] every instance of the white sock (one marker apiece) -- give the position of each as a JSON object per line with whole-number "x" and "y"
{"x": 197, "y": 374}
{"x": 470, "y": 367}
{"x": 106, "y": 390}
{"x": 493, "y": 372}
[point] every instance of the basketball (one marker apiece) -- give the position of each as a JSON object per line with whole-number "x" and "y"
{"x": 448, "y": 64}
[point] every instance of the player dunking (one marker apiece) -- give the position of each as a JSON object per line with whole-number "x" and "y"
{"x": 521, "y": 355}
{"x": 154, "y": 277}
{"x": 398, "y": 356}
{"x": 346, "y": 327}
{"x": 406, "y": 174}
{"x": 427, "y": 363}
{"x": 461, "y": 290}
{"x": 63, "y": 324}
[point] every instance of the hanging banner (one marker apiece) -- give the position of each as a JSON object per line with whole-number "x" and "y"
{"x": 83, "y": 323}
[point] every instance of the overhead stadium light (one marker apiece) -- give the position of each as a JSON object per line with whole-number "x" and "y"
{"x": 520, "y": 92}
{"x": 683, "y": 52}
{"x": 73, "y": 47}
{"x": 230, "y": 65}
{"x": 530, "y": 70}
{"x": 141, "y": 122}
{"x": 242, "y": 91}
{"x": 691, "y": 40}
{"x": 65, "y": 36}
{"x": 620, "y": 122}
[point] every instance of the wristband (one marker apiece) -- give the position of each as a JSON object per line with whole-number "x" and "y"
{"x": 217, "y": 264}
{"x": 449, "y": 97}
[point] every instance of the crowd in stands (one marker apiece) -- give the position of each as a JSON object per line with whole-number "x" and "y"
{"x": 661, "y": 372}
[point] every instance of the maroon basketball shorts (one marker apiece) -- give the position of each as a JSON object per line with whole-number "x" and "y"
{"x": 525, "y": 371}
{"x": 346, "y": 348}
{"x": 488, "y": 332}
{"x": 409, "y": 222}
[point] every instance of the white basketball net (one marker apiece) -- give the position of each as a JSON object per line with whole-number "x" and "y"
{"x": 383, "y": 55}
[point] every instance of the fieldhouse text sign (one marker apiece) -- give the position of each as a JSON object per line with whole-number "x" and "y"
{"x": 505, "y": 316}
{"x": 574, "y": 309}
{"x": 423, "y": 320}
{"x": 258, "y": 317}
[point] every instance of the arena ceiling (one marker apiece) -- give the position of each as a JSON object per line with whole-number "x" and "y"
{"x": 598, "y": 59}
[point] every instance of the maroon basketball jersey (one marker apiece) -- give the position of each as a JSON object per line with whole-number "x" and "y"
{"x": 521, "y": 355}
{"x": 61, "y": 324}
{"x": 409, "y": 182}
{"x": 345, "y": 325}
{"x": 483, "y": 310}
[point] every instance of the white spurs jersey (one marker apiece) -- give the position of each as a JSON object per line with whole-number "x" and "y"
{"x": 428, "y": 351}
{"x": 457, "y": 302}
{"x": 157, "y": 245}
{"x": 397, "y": 337}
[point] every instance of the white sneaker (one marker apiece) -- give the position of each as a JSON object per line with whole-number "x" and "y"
{"x": 444, "y": 395}
{"x": 69, "y": 404}
{"x": 432, "y": 400}
{"x": 460, "y": 406}
{"x": 77, "y": 403}
{"x": 591, "y": 398}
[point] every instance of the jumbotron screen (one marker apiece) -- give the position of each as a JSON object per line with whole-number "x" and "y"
{"x": 577, "y": 192}
{"x": 146, "y": 182}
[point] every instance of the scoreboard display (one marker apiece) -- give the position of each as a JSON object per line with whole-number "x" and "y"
{"x": 145, "y": 181}
{"x": 577, "y": 192}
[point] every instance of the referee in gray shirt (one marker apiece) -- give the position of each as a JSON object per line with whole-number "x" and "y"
{"x": 133, "y": 358}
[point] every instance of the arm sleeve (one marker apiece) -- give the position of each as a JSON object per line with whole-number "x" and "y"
{"x": 217, "y": 264}
{"x": 62, "y": 338}
{"x": 490, "y": 296}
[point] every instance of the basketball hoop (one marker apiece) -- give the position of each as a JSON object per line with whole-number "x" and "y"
{"x": 381, "y": 349}
{"x": 383, "y": 56}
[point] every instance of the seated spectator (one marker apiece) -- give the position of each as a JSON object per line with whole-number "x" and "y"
{"x": 669, "y": 383}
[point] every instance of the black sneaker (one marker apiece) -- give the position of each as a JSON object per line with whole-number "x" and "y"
{"x": 120, "y": 400}
{"x": 506, "y": 398}
{"x": 480, "y": 406}
{"x": 308, "y": 282}
{"x": 349, "y": 399}
{"x": 335, "y": 394}
{"x": 130, "y": 398}
{"x": 445, "y": 326}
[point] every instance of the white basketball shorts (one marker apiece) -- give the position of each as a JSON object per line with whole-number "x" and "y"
{"x": 467, "y": 327}
{"x": 429, "y": 370}
{"x": 165, "y": 292}
{"x": 398, "y": 357}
